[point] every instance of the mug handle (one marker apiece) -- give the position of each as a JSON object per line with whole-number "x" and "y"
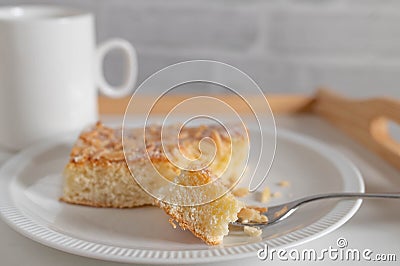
{"x": 131, "y": 69}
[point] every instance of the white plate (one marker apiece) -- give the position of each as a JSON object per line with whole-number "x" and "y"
{"x": 30, "y": 185}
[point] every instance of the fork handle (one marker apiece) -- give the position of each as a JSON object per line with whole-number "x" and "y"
{"x": 301, "y": 201}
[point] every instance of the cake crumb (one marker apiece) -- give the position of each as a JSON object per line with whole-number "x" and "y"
{"x": 276, "y": 194}
{"x": 280, "y": 212}
{"x": 265, "y": 195}
{"x": 240, "y": 192}
{"x": 247, "y": 215}
{"x": 257, "y": 208}
{"x": 252, "y": 231}
{"x": 264, "y": 219}
{"x": 284, "y": 183}
{"x": 171, "y": 221}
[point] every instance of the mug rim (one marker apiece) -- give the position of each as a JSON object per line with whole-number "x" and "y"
{"x": 40, "y": 13}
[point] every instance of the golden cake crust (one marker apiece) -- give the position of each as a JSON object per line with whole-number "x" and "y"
{"x": 97, "y": 174}
{"x": 101, "y": 144}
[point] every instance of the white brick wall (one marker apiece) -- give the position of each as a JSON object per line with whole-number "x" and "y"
{"x": 334, "y": 33}
{"x": 285, "y": 45}
{"x": 156, "y": 26}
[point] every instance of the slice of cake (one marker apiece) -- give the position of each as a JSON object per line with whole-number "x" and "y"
{"x": 98, "y": 174}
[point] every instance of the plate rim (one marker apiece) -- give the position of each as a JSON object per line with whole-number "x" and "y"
{"x": 33, "y": 230}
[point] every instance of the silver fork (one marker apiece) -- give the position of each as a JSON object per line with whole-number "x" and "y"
{"x": 279, "y": 212}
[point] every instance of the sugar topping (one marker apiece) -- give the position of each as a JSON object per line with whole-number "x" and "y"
{"x": 101, "y": 143}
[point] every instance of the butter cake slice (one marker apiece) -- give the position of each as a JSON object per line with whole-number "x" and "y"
{"x": 98, "y": 175}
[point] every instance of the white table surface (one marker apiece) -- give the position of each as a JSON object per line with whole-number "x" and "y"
{"x": 375, "y": 226}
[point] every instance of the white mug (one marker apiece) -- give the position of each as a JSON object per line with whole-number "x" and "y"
{"x": 50, "y": 70}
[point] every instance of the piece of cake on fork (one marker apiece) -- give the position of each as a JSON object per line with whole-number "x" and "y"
{"x": 98, "y": 174}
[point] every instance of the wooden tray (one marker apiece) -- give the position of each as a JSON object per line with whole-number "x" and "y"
{"x": 366, "y": 121}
